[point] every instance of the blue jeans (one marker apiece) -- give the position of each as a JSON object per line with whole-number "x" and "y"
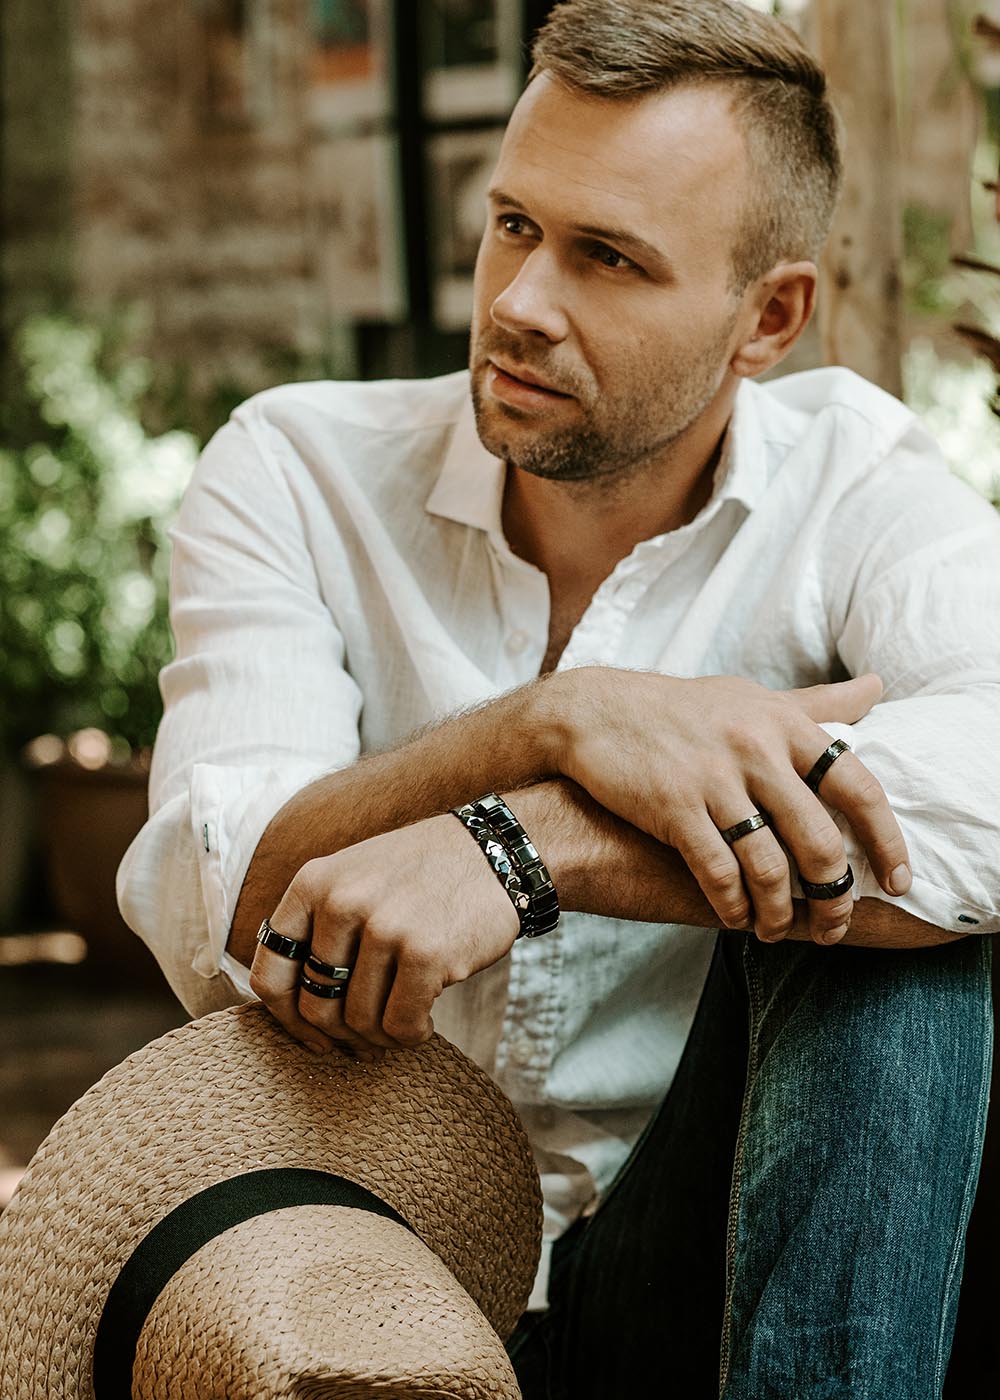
{"x": 791, "y": 1225}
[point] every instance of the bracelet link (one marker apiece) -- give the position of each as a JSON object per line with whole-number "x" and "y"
{"x": 515, "y": 862}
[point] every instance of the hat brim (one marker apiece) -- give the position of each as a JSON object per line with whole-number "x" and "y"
{"x": 425, "y": 1130}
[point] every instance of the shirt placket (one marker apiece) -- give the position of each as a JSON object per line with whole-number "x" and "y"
{"x": 539, "y": 978}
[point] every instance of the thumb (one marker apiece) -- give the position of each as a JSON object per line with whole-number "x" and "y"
{"x": 843, "y": 701}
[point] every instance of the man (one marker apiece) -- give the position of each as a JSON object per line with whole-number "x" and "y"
{"x": 597, "y": 589}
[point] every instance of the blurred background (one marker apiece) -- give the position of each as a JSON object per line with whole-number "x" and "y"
{"x": 200, "y": 198}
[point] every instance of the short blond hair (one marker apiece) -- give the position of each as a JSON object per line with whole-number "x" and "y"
{"x": 630, "y": 48}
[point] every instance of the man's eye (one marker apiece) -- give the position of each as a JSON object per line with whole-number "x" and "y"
{"x": 512, "y": 223}
{"x": 610, "y": 257}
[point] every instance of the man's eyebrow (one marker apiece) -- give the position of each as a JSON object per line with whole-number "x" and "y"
{"x": 630, "y": 243}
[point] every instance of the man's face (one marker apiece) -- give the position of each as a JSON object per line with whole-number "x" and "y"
{"x": 604, "y": 276}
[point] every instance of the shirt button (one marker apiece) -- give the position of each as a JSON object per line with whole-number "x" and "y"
{"x": 517, "y": 641}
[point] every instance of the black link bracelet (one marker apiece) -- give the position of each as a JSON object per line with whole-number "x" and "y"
{"x": 515, "y": 862}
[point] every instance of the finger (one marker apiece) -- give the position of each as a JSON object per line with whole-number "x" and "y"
{"x": 275, "y": 980}
{"x": 336, "y": 943}
{"x": 368, "y": 991}
{"x": 407, "y": 1016}
{"x": 843, "y": 702}
{"x": 817, "y": 847}
{"x": 314, "y": 1006}
{"x": 715, "y": 867}
{"x": 765, "y": 871}
{"x": 853, "y": 790}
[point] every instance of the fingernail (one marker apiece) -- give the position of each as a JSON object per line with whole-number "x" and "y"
{"x": 900, "y": 879}
{"x": 315, "y": 1047}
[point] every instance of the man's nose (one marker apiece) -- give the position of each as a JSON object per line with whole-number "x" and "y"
{"x": 533, "y": 300}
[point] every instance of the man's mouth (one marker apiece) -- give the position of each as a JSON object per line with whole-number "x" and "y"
{"x": 513, "y": 382}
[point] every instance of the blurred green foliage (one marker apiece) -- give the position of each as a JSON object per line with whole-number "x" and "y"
{"x": 928, "y": 276}
{"x": 86, "y": 497}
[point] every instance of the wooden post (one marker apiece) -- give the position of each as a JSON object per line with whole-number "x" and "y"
{"x": 860, "y": 307}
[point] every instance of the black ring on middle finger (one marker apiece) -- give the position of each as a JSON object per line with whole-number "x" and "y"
{"x": 829, "y": 889}
{"x": 325, "y": 969}
{"x": 329, "y": 990}
{"x": 732, "y": 834}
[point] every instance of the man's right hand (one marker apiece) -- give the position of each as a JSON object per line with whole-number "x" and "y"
{"x": 685, "y": 759}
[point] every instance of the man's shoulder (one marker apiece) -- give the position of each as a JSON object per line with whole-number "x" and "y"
{"x": 835, "y": 395}
{"x": 377, "y": 406}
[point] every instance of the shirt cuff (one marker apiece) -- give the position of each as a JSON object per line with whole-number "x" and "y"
{"x": 946, "y": 908}
{"x": 230, "y": 810}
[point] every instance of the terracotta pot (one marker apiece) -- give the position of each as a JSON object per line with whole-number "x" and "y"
{"x": 88, "y": 820}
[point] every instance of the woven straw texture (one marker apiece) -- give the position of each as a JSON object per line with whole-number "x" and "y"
{"x": 424, "y": 1129}
{"x": 325, "y": 1306}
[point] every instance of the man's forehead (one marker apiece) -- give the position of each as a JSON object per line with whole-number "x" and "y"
{"x": 615, "y": 158}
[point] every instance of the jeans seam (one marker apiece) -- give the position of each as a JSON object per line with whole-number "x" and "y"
{"x": 754, "y": 997}
{"x": 953, "y": 1277}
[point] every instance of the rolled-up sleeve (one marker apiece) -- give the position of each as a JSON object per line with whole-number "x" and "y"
{"x": 923, "y": 611}
{"x": 257, "y": 704}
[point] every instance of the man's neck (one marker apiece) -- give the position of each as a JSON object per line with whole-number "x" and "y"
{"x": 576, "y": 532}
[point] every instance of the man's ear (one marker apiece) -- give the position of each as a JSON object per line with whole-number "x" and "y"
{"x": 780, "y": 305}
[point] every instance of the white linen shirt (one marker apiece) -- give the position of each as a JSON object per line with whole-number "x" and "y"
{"x": 341, "y": 577}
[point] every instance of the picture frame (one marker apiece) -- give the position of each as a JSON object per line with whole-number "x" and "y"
{"x": 460, "y": 165}
{"x": 472, "y": 58}
{"x": 355, "y": 226}
{"x": 349, "y": 63}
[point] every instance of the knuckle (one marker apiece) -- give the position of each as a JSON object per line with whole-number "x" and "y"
{"x": 833, "y": 913}
{"x": 718, "y": 875}
{"x": 770, "y": 873}
{"x": 401, "y": 1028}
{"x": 825, "y": 845}
{"x": 259, "y": 984}
{"x": 867, "y": 792}
{"x": 310, "y": 877}
{"x": 736, "y": 915}
{"x": 772, "y": 932}
{"x": 360, "y": 1025}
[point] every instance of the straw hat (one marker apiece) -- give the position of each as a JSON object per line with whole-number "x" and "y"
{"x": 240, "y": 1218}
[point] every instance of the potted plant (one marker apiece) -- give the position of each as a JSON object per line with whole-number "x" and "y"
{"x": 86, "y": 497}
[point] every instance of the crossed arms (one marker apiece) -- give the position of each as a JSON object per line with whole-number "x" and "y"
{"x": 623, "y": 780}
{"x": 616, "y": 775}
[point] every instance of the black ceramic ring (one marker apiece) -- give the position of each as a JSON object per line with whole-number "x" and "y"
{"x": 329, "y": 990}
{"x": 280, "y": 943}
{"x": 741, "y": 829}
{"x": 826, "y": 760}
{"x": 831, "y": 889}
{"x": 337, "y": 974}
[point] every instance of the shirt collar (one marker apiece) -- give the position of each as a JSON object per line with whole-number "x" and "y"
{"x": 469, "y": 488}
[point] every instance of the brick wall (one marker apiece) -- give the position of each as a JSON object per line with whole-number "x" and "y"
{"x": 188, "y": 202}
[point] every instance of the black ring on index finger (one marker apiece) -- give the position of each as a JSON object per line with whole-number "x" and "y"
{"x": 825, "y": 761}
{"x": 280, "y": 943}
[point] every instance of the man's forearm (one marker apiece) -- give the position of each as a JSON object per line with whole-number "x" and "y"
{"x": 504, "y": 744}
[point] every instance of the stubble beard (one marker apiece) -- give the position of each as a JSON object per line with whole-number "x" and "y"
{"x": 632, "y": 436}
